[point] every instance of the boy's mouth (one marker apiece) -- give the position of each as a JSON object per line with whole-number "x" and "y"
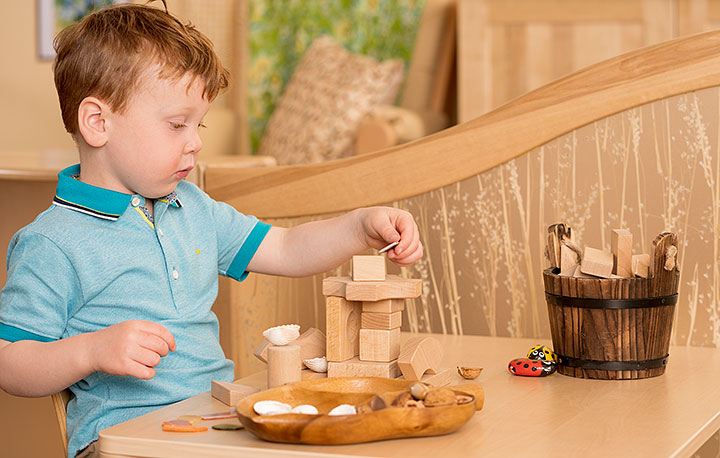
{"x": 184, "y": 172}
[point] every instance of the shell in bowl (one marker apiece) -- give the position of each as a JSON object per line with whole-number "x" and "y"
{"x": 317, "y": 364}
{"x": 282, "y": 335}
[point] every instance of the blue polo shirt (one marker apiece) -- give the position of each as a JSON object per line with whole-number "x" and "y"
{"x": 95, "y": 258}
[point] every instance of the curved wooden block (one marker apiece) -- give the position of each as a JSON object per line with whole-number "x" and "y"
{"x": 419, "y": 355}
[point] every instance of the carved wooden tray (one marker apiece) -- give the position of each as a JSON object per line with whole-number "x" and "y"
{"x": 325, "y": 394}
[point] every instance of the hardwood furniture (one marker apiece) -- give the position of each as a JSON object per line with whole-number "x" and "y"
{"x": 671, "y": 415}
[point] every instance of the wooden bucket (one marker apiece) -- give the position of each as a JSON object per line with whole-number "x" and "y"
{"x": 615, "y": 328}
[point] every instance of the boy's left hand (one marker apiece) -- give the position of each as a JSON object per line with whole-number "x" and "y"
{"x": 384, "y": 225}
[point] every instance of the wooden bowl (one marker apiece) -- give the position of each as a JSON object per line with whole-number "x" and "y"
{"x": 325, "y": 394}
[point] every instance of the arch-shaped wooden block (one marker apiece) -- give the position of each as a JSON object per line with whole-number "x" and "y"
{"x": 419, "y": 355}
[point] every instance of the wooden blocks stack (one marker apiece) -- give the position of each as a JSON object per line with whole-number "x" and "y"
{"x": 564, "y": 254}
{"x": 363, "y": 316}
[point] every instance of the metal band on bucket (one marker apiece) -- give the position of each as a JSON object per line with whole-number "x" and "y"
{"x": 613, "y": 365}
{"x": 586, "y": 303}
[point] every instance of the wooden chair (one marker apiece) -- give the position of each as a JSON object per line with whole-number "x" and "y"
{"x": 603, "y": 148}
{"x": 60, "y": 401}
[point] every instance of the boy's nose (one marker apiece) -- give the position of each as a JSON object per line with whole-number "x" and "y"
{"x": 195, "y": 144}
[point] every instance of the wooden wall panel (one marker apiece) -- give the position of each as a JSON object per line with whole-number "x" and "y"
{"x": 525, "y": 37}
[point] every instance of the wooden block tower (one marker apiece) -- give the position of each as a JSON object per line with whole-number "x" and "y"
{"x": 363, "y": 318}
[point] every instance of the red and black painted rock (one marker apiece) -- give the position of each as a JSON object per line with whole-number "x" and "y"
{"x": 531, "y": 367}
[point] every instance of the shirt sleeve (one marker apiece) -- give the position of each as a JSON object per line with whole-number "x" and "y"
{"x": 41, "y": 287}
{"x": 239, "y": 237}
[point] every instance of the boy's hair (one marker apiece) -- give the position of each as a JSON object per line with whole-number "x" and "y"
{"x": 105, "y": 54}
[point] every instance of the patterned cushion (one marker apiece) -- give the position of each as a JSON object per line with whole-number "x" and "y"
{"x": 327, "y": 96}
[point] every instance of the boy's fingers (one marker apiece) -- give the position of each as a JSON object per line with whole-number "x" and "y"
{"x": 163, "y": 333}
{"x": 156, "y": 344}
{"x": 146, "y": 357}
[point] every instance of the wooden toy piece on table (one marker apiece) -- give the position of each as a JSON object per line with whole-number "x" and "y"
{"x": 284, "y": 365}
{"x": 368, "y": 312}
{"x": 230, "y": 393}
{"x": 311, "y": 343}
{"x": 342, "y": 317}
{"x": 419, "y": 355}
{"x": 368, "y": 268}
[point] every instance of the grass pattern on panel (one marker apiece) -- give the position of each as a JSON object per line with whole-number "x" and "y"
{"x": 280, "y": 32}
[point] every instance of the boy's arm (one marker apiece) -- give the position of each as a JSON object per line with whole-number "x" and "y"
{"x": 34, "y": 369}
{"x": 320, "y": 246}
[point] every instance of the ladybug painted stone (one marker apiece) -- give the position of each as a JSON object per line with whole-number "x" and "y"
{"x": 531, "y": 367}
{"x": 543, "y": 353}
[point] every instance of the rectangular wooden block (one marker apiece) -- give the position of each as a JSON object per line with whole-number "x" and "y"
{"x": 597, "y": 262}
{"x": 568, "y": 261}
{"x": 641, "y": 264}
{"x": 356, "y": 368}
{"x": 621, "y": 247}
{"x": 342, "y": 320}
{"x": 379, "y": 344}
{"x": 375, "y": 320}
{"x": 368, "y": 268}
{"x": 230, "y": 393}
{"x": 384, "y": 306}
{"x": 394, "y": 287}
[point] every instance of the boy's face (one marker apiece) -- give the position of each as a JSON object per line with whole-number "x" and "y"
{"x": 154, "y": 143}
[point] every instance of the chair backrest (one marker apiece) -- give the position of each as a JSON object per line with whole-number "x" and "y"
{"x": 60, "y": 401}
{"x": 607, "y": 147}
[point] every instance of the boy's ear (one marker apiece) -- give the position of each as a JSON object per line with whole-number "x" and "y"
{"x": 92, "y": 119}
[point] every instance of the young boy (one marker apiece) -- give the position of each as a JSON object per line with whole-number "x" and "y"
{"x": 109, "y": 290}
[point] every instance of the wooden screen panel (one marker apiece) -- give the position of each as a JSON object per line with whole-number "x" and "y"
{"x": 507, "y": 48}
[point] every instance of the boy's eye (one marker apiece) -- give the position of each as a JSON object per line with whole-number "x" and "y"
{"x": 177, "y": 125}
{"x": 202, "y": 125}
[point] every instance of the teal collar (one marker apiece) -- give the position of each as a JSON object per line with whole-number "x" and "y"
{"x": 92, "y": 200}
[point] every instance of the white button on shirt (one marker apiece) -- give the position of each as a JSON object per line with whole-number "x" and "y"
{"x": 135, "y": 201}
{"x": 160, "y": 232}
{"x": 175, "y": 274}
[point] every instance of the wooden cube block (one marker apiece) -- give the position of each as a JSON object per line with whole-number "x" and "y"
{"x": 374, "y": 320}
{"x": 368, "y": 268}
{"x": 384, "y": 306}
{"x": 621, "y": 248}
{"x": 342, "y": 321}
{"x": 230, "y": 393}
{"x": 379, "y": 344}
{"x": 641, "y": 265}
{"x": 356, "y": 368}
{"x": 597, "y": 262}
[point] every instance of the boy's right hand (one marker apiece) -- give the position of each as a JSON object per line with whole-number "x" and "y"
{"x": 130, "y": 348}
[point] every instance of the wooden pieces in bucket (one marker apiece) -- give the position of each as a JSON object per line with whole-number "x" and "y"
{"x": 564, "y": 254}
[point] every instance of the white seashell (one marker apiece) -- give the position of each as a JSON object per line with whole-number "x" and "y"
{"x": 282, "y": 335}
{"x": 317, "y": 364}
{"x": 306, "y": 409}
{"x": 343, "y": 409}
{"x": 271, "y": 408}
